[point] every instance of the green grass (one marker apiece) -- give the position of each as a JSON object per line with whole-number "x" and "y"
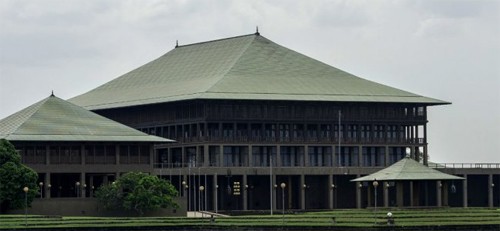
{"x": 351, "y": 218}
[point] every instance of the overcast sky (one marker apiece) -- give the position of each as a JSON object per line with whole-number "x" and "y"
{"x": 449, "y": 50}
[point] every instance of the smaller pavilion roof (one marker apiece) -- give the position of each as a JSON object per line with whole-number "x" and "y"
{"x": 54, "y": 119}
{"x": 407, "y": 169}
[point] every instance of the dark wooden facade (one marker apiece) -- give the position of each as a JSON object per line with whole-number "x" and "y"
{"x": 220, "y": 142}
{"x": 77, "y": 169}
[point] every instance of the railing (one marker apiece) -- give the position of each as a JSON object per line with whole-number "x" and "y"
{"x": 307, "y": 139}
{"x": 326, "y": 165}
{"x": 464, "y": 165}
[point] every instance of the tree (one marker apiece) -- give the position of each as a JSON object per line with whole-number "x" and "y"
{"x": 139, "y": 192}
{"x": 14, "y": 176}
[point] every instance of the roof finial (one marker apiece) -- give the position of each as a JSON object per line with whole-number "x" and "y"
{"x": 257, "y": 30}
{"x": 52, "y": 94}
{"x": 176, "y": 43}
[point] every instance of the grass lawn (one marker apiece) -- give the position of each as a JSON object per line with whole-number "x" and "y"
{"x": 344, "y": 218}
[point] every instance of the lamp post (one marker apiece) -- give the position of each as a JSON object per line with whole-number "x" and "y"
{"x": 26, "y": 189}
{"x": 216, "y": 197}
{"x": 283, "y": 185}
{"x": 202, "y": 188}
{"x": 49, "y": 189}
{"x": 271, "y": 183}
{"x": 41, "y": 189}
{"x": 185, "y": 186}
{"x": 77, "y": 188}
{"x": 375, "y": 184}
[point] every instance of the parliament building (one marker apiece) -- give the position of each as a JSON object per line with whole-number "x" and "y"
{"x": 256, "y": 123}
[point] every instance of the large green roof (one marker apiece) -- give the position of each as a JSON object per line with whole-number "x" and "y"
{"x": 407, "y": 169}
{"x": 249, "y": 67}
{"x": 53, "y": 119}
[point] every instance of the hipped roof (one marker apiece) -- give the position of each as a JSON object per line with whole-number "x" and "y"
{"x": 408, "y": 169}
{"x": 54, "y": 119}
{"x": 249, "y": 67}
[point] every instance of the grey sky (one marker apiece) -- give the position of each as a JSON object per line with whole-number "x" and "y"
{"x": 448, "y": 50}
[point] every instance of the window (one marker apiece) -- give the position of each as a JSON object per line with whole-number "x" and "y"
{"x": 320, "y": 156}
{"x": 262, "y": 154}
{"x": 235, "y": 156}
{"x": 292, "y": 156}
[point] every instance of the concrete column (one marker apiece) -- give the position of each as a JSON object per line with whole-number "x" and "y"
{"x": 82, "y": 184}
{"x": 47, "y": 185}
{"x": 415, "y": 192}
{"x": 47, "y": 155}
{"x": 215, "y": 194}
{"x": 358, "y": 193}
{"x": 250, "y": 156}
{"x": 245, "y": 192}
{"x": 386, "y": 156}
{"x": 306, "y": 156}
{"x": 302, "y": 192}
{"x": 490, "y": 191}
{"x": 369, "y": 195}
{"x": 206, "y": 158}
{"x": 117, "y": 153}
{"x": 411, "y": 194}
{"x": 82, "y": 154}
{"x": 221, "y": 156}
{"x": 91, "y": 186}
{"x": 399, "y": 193}
{"x": 426, "y": 158}
{"x": 444, "y": 193}
{"x": 152, "y": 156}
{"x": 360, "y": 156}
{"x": 183, "y": 158}
{"x": 275, "y": 187}
{"x": 464, "y": 189}
{"x": 331, "y": 203}
{"x": 197, "y": 155}
{"x": 278, "y": 156}
{"x": 385, "y": 186}
{"x": 439, "y": 198}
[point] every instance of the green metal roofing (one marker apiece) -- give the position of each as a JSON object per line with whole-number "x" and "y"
{"x": 53, "y": 119}
{"x": 248, "y": 67}
{"x": 407, "y": 169}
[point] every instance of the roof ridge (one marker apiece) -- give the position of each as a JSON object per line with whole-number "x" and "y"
{"x": 215, "y": 40}
{"x": 231, "y": 66}
{"x": 30, "y": 111}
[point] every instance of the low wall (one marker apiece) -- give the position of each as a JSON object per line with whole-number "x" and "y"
{"x": 90, "y": 207}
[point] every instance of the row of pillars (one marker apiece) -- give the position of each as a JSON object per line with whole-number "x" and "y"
{"x": 273, "y": 188}
{"x": 80, "y": 186}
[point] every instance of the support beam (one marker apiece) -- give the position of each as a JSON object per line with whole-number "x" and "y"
{"x": 331, "y": 202}
{"x": 215, "y": 194}
{"x": 411, "y": 194}
{"x": 275, "y": 185}
{"x": 439, "y": 187}
{"x": 464, "y": 190}
{"x": 206, "y": 158}
{"x": 358, "y": 193}
{"x": 245, "y": 192}
{"x": 302, "y": 192}
{"x": 47, "y": 185}
{"x": 385, "y": 186}
{"x": 426, "y": 157}
{"x": 444, "y": 193}
{"x": 399, "y": 194}
{"x": 490, "y": 190}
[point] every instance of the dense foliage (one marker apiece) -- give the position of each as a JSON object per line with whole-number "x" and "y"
{"x": 139, "y": 192}
{"x": 14, "y": 176}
